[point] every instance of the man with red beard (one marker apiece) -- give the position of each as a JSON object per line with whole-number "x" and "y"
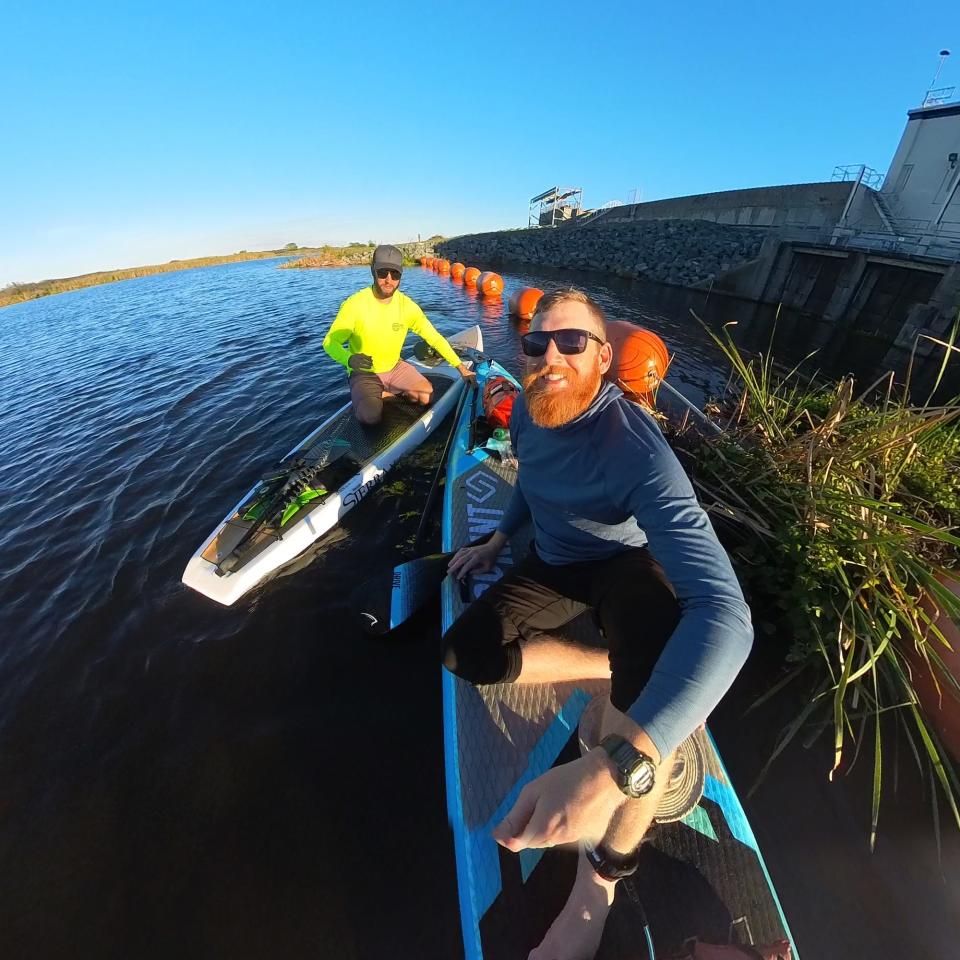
{"x": 617, "y": 528}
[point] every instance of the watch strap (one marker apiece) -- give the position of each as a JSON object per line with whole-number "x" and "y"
{"x": 610, "y": 865}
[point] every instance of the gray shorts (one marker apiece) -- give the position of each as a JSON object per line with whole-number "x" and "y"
{"x": 367, "y": 389}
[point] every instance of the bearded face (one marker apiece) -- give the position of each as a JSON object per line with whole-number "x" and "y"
{"x": 556, "y": 394}
{"x": 559, "y": 386}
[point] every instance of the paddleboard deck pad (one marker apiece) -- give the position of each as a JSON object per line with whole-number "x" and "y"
{"x": 701, "y": 874}
{"x": 307, "y": 493}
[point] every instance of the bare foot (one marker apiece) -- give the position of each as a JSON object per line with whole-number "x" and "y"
{"x": 576, "y": 933}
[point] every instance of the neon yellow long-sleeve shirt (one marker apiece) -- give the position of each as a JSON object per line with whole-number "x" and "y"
{"x": 367, "y": 325}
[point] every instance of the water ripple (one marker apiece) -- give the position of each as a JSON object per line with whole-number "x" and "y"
{"x": 135, "y": 415}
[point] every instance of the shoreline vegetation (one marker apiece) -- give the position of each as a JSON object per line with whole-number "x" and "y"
{"x": 846, "y": 540}
{"x": 354, "y": 254}
{"x": 21, "y": 292}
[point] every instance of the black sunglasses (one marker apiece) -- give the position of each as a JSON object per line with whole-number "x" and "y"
{"x": 385, "y": 272}
{"x": 569, "y": 340}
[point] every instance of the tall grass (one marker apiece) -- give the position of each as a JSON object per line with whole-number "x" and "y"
{"x": 852, "y": 501}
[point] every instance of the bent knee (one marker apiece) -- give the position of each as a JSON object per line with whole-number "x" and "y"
{"x": 369, "y": 416}
{"x": 480, "y": 661}
{"x": 449, "y": 657}
{"x": 464, "y": 662}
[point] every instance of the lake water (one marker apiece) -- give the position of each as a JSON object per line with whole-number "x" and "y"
{"x": 181, "y": 778}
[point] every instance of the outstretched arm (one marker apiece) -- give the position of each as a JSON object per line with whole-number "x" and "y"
{"x": 423, "y": 328}
{"x": 336, "y": 342}
{"x": 713, "y": 638}
{"x": 578, "y": 800}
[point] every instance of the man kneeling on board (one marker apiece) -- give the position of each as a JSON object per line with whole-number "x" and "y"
{"x": 618, "y": 529}
{"x": 367, "y": 337}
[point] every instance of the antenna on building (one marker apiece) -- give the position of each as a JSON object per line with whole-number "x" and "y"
{"x": 943, "y": 56}
{"x": 934, "y": 96}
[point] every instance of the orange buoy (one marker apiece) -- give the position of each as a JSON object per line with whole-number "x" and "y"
{"x": 524, "y": 302}
{"x": 470, "y": 276}
{"x": 444, "y": 268}
{"x": 640, "y": 359}
{"x": 457, "y": 271}
{"x": 423, "y": 261}
{"x": 490, "y": 284}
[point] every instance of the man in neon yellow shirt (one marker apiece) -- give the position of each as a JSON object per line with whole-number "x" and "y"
{"x": 367, "y": 336}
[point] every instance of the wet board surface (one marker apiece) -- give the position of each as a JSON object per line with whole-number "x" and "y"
{"x": 316, "y": 484}
{"x": 700, "y": 876}
{"x": 339, "y": 450}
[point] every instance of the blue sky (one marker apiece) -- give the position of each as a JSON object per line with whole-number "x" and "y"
{"x": 140, "y": 133}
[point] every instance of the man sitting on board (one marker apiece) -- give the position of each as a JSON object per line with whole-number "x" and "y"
{"x": 367, "y": 336}
{"x": 617, "y": 528}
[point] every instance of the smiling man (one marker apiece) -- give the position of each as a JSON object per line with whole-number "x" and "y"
{"x": 616, "y": 528}
{"x": 368, "y": 334}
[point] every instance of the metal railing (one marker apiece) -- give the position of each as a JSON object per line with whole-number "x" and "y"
{"x": 860, "y": 172}
{"x": 936, "y": 98}
{"x": 594, "y": 215}
{"x": 943, "y": 246}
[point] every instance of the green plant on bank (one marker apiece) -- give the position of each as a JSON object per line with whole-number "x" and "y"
{"x": 353, "y": 254}
{"x": 853, "y": 504}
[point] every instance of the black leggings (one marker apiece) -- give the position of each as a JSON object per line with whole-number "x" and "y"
{"x": 630, "y": 594}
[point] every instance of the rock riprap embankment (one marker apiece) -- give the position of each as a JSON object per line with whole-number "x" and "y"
{"x": 683, "y": 252}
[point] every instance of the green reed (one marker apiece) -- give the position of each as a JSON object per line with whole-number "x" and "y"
{"x": 852, "y": 503}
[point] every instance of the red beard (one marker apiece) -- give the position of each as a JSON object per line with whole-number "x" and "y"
{"x": 553, "y": 408}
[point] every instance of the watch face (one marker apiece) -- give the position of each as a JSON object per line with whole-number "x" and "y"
{"x": 636, "y": 768}
{"x": 640, "y": 780}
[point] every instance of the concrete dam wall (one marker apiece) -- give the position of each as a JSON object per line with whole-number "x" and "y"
{"x": 683, "y": 252}
{"x": 794, "y": 210}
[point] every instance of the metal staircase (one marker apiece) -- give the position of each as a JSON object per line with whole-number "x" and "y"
{"x": 595, "y": 215}
{"x": 884, "y": 212}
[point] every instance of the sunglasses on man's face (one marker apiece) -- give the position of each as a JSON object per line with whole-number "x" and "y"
{"x": 568, "y": 341}
{"x": 385, "y": 272}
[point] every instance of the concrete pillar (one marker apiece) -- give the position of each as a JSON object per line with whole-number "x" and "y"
{"x": 848, "y": 285}
{"x": 918, "y": 320}
{"x": 946, "y": 298}
{"x": 769, "y": 287}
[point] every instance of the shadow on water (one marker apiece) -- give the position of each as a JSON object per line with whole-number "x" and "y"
{"x": 182, "y": 779}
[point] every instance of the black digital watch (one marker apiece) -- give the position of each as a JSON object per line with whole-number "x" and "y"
{"x": 636, "y": 772}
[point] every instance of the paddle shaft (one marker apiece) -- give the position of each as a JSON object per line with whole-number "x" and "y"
{"x": 471, "y": 385}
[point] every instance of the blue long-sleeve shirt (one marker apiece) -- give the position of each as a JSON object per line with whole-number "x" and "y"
{"x": 608, "y": 481}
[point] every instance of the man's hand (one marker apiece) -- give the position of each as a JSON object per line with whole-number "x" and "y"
{"x": 360, "y": 361}
{"x": 466, "y": 372}
{"x": 477, "y": 559}
{"x": 567, "y": 804}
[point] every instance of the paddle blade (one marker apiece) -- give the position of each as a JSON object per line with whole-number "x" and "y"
{"x": 386, "y": 601}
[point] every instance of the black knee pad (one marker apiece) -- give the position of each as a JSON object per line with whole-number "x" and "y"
{"x": 368, "y": 417}
{"x": 474, "y": 650}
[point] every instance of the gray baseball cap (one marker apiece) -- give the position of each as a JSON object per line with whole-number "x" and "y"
{"x": 387, "y": 256}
